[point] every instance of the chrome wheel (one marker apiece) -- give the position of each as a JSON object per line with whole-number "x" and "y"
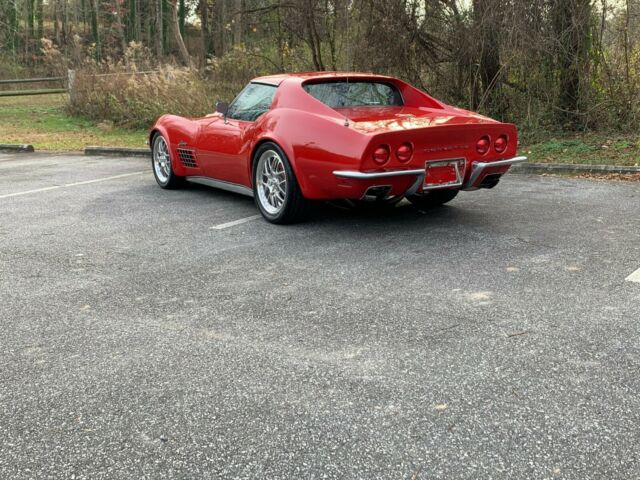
{"x": 161, "y": 159}
{"x": 271, "y": 182}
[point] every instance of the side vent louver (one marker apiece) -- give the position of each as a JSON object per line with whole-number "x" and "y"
{"x": 187, "y": 157}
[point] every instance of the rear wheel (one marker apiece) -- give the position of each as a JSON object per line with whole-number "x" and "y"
{"x": 161, "y": 162}
{"x": 433, "y": 198}
{"x": 275, "y": 187}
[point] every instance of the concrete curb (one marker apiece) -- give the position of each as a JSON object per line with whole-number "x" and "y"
{"x": 571, "y": 168}
{"x": 118, "y": 152}
{"x": 25, "y": 148}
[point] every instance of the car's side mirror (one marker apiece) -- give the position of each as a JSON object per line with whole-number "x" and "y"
{"x": 222, "y": 107}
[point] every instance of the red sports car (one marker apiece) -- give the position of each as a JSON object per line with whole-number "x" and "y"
{"x": 290, "y": 139}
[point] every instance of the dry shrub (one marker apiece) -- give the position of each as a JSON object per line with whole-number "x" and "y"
{"x": 53, "y": 60}
{"x": 135, "y": 99}
{"x": 136, "y": 91}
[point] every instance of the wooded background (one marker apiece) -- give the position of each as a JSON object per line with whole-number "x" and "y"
{"x": 545, "y": 64}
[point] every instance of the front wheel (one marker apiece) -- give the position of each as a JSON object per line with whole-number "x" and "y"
{"x": 433, "y": 198}
{"x": 161, "y": 163}
{"x": 275, "y": 188}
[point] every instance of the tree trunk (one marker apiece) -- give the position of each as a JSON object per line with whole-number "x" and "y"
{"x": 205, "y": 30}
{"x": 158, "y": 37}
{"x": 182, "y": 11}
{"x": 83, "y": 6}
{"x": 571, "y": 19}
{"x": 280, "y": 36}
{"x": 312, "y": 37}
{"x": 30, "y": 14}
{"x": 239, "y": 22}
{"x": 95, "y": 32}
{"x": 120, "y": 27}
{"x": 166, "y": 20}
{"x": 138, "y": 20}
{"x": 132, "y": 21}
{"x": 65, "y": 22}
{"x": 30, "y": 32}
{"x": 13, "y": 25}
{"x": 177, "y": 37}
{"x": 487, "y": 22}
{"x": 221, "y": 19}
{"x": 40, "y": 18}
{"x": 56, "y": 29}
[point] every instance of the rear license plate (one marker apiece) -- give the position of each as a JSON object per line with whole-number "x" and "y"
{"x": 444, "y": 173}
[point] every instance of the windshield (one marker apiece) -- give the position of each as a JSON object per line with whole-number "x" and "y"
{"x": 337, "y": 94}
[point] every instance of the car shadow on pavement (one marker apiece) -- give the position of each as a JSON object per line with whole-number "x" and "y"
{"x": 340, "y": 212}
{"x": 403, "y": 212}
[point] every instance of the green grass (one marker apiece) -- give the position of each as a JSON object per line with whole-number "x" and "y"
{"x": 586, "y": 149}
{"x": 43, "y": 122}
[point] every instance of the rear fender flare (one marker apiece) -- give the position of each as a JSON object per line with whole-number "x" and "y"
{"x": 287, "y": 148}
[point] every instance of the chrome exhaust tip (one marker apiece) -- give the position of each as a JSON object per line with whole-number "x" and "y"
{"x": 377, "y": 192}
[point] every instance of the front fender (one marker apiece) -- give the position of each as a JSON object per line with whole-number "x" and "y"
{"x": 178, "y": 131}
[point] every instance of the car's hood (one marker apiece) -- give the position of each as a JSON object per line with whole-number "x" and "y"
{"x": 376, "y": 120}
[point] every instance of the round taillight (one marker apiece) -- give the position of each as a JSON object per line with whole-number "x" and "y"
{"x": 404, "y": 152}
{"x": 381, "y": 154}
{"x": 483, "y": 145}
{"x": 501, "y": 143}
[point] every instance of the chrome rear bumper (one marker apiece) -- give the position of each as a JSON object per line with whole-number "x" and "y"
{"x": 477, "y": 170}
{"x": 480, "y": 167}
{"x": 375, "y": 175}
{"x": 415, "y": 186}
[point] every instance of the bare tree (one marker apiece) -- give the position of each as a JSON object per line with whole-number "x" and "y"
{"x": 487, "y": 25}
{"x": 571, "y": 21}
{"x": 205, "y": 29}
{"x": 174, "y": 25}
{"x": 95, "y": 30}
{"x": 159, "y": 30}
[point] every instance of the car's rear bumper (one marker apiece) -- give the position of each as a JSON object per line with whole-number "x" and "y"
{"x": 480, "y": 169}
{"x": 375, "y": 180}
{"x": 472, "y": 181}
{"x": 376, "y": 175}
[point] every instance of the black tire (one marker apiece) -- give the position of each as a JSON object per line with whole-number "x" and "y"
{"x": 163, "y": 169}
{"x": 433, "y": 198}
{"x": 289, "y": 205}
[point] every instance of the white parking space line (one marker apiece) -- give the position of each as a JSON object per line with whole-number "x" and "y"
{"x": 74, "y": 184}
{"x": 634, "y": 277}
{"x": 222, "y": 226}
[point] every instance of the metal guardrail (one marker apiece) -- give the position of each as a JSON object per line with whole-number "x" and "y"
{"x": 32, "y": 80}
{"x": 67, "y": 81}
{"x": 21, "y": 93}
{"x": 41, "y": 91}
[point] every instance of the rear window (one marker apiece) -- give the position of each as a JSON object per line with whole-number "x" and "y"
{"x": 337, "y": 94}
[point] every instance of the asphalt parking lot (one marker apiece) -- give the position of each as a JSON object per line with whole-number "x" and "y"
{"x": 150, "y": 334}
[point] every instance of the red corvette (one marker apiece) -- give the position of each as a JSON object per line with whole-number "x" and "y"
{"x": 288, "y": 139}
